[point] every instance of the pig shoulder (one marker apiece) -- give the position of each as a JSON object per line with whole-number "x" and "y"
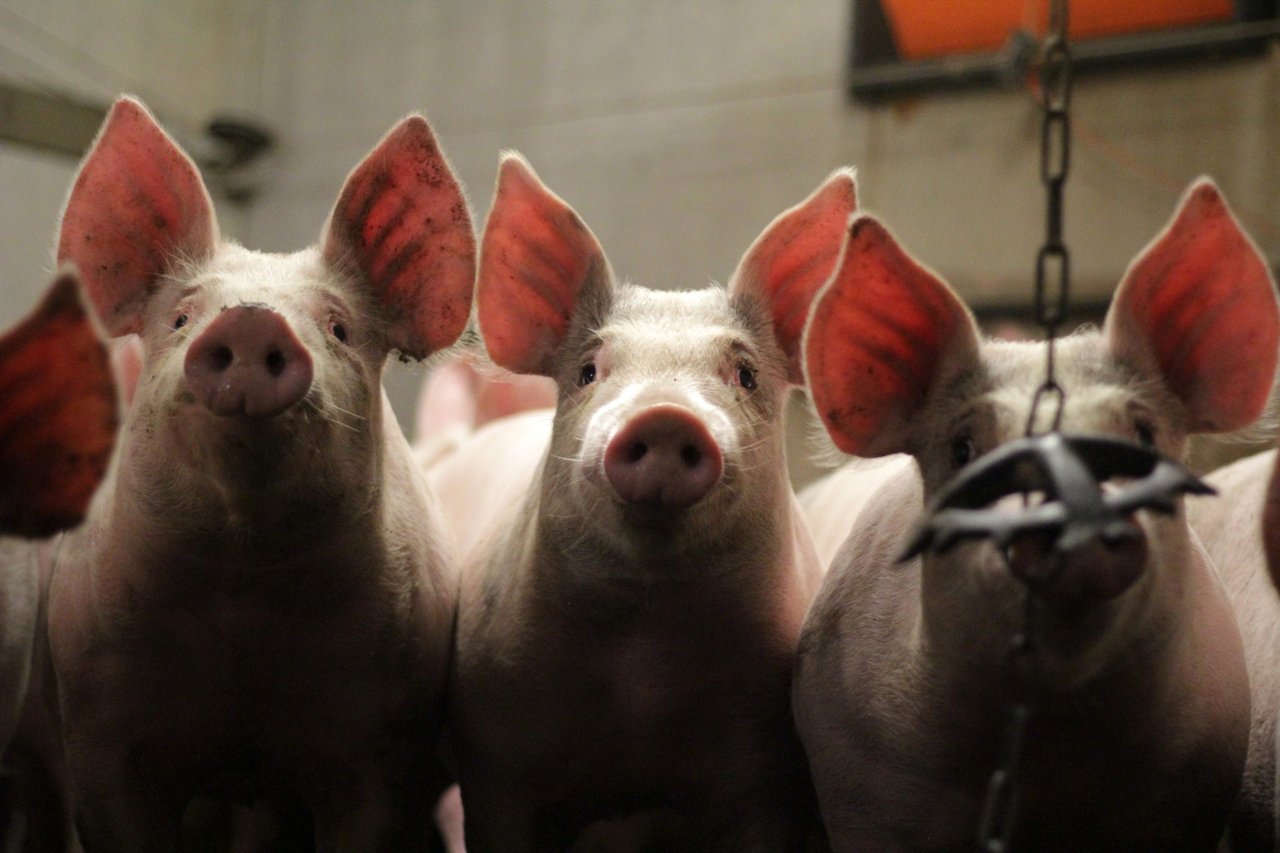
{"x": 862, "y": 624}
{"x": 1230, "y": 527}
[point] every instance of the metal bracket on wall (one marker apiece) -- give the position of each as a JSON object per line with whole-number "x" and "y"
{"x": 46, "y": 121}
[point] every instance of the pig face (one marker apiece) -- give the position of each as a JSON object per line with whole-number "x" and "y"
{"x": 1190, "y": 345}
{"x": 669, "y": 412}
{"x": 667, "y": 428}
{"x": 257, "y": 365}
{"x": 248, "y": 353}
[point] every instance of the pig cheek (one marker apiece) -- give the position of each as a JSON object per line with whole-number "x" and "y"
{"x": 596, "y": 423}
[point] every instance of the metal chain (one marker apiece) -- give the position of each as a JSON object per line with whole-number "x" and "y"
{"x": 1053, "y": 263}
{"x": 1053, "y": 268}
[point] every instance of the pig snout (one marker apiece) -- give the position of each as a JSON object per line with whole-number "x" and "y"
{"x": 1094, "y": 572}
{"x": 248, "y": 362}
{"x": 663, "y": 457}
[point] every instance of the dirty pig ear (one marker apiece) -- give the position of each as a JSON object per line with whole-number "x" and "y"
{"x": 793, "y": 257}
{"x": 137, "y": 210}
{"x": 882, "y": 333}
{"x": 538, "y": 261}
{"x": 401, "y": 224}
{"x": 1197, "y": 308}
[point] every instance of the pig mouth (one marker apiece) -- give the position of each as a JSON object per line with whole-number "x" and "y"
{"x": 1096, "y": 572}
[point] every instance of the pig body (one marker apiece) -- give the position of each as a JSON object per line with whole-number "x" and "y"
{"x": 850, "y": 487}
{"x": 903, "y": 687}
{"x": 260, "y": 605}
{"x": 58, "y": 411}
{"x": 1232, "y": 530}
{"x": 629, "y": 611}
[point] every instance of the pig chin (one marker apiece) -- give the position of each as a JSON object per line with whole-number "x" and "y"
{"x": 261, "y": 451}
{"x": 1085, "y": 608}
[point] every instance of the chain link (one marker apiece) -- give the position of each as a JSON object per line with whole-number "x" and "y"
{"x": 1053, "y": 262}
{"x": 1052, "y": 297}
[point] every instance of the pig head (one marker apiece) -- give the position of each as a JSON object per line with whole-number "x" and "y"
{"x": 903, "y": 687}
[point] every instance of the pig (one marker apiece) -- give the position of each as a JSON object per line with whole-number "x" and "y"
{"x": 631, "y": 600}
{"x": 465, "y": 392}
{"x": 1240, "y": 533}
{"x": 903, "y": 688}
{"x": 58, "y": 418}
{"x": 260, "y": 604}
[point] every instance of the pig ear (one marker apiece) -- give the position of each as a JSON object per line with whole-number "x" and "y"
{"x": 401, "y": 224}
{"x": 537, "y": 261}
{"x": 58, "y": 413}
{"x": 136, "y": 211}
{"x": 1197, "y": 307}
{"x": 790, "y": 261}
{"x": 880, "y": 336}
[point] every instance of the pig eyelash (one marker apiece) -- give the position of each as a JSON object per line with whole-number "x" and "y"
{"x": 338, "y": 331}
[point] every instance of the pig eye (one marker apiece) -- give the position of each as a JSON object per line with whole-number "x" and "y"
{"x": 339, "y": 331}
{"x": 587, "y": 374}
{"x": 1146, "y": 433}
{"x": 962, "y": 451}
{"x": 180, "y": 321}
{"x": 746, "y": 378}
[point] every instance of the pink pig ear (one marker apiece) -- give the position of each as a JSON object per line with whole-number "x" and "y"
{"x": 1198, "y": 308}
{"x": 137, "y": 210}
{"x": 402, "y": 225}
{"x": 537, "y": 261}
{"x": 792, "y": 258}
{"x": 881, "y": 335}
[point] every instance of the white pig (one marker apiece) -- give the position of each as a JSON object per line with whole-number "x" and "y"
{"x": 260, "y": 605}
{"x": 1234, "y": 534}
{"x": 632, "y": 597}
{"x": 58, "y": 412}
{"x": 902, "y": 689}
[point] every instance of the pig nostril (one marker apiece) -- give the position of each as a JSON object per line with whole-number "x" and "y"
{"x": 221, "y": 358}
{"x": 275, "y": 362}
{"x": 691, "y": 455}
{"x": 637, "y": 451}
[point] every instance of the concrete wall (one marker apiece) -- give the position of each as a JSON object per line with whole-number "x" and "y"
{"x": 187, "y": 60}
{"x": 677, "y": 129}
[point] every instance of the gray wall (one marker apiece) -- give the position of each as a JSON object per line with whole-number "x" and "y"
{"x": 187, "y": 59}
{"x": 677, "y": 128}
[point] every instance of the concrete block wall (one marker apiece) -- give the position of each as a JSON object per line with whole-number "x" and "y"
{"x": 187, "y": 60}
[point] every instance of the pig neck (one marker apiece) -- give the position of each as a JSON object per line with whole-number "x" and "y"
{"x": 1090, "y": 655}
{"x": 267, "y": 524}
